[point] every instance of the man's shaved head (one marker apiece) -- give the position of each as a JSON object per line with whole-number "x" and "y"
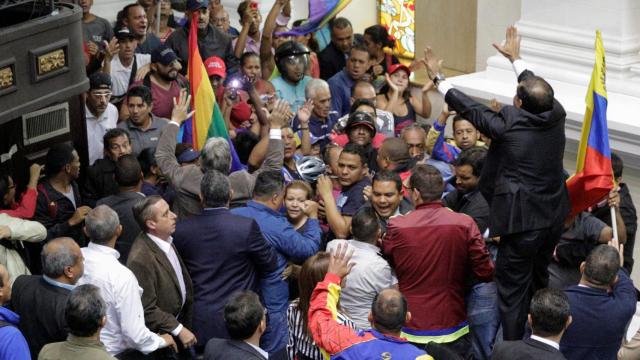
{"x": 389, "y": 310}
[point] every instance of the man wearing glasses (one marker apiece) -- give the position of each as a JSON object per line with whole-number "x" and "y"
{"x": 100, "y": 114}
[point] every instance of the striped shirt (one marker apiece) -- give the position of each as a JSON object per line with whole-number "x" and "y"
{"x": 300, "y": 345}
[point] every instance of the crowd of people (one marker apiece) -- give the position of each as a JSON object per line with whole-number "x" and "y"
{"x": 354, "y": 228}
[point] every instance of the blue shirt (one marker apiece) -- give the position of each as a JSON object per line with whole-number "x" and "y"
{"x": 12, "y": 343}
{"x": 294, "y": 94}
{"x": 340, "y": 85}
{"x": 320, "y": 130}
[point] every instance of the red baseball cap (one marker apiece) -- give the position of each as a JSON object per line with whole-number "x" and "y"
{"x": 240, "y": 113}
{"x": 395, "y": 67}
{"x": 215, "y": 66}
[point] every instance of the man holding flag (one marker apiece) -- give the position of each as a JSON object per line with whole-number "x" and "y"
{"x": 522, "y": 180}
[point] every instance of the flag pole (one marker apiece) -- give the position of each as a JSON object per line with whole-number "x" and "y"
{"x": 614, "y": 224}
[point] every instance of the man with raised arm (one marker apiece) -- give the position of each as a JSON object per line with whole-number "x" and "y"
{"x": 525, "y": 189}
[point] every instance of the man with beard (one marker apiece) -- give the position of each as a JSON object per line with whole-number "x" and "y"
{"x": 143, "y": 126}
{"x": 321, "y": 121}
{"x": 135, "y": 18}
{"x": 100, "y": 114}
{"x": 211, "y": 40}
{"x": 164, "y": 81}
{"x": 292, "y": 60}
{"x": 342, "y": 82}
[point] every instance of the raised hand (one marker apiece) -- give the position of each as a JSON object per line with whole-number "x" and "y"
{"x": 495, "y": 105}
{"x": 280, "y": 114}
{"x": 431, "y": 62}
{"x": 392, "y": 86}
{"x": 324, "y": 186}
{"x": 339, "y": 262}
{"x": 111, "y": 48}
{"x": 180, "y": 111}
{"x": 310, "y": 208}
{"x": 304, "y": 112}
{"x": 510, "y": 48}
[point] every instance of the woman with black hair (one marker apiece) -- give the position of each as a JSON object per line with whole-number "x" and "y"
{"x": 27, "y": 205}
{"x": 376, "y": 39}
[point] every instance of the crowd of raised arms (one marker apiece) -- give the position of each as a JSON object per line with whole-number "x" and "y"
{"x": 336, "y": 221}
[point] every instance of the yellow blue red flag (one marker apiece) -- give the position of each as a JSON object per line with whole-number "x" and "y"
{"x": 594, "y": 176}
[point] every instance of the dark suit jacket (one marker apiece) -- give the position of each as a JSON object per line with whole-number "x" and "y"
{"x": 41, "y": 308}
{"x": 224, "y": 253}
{"x": 331, "y": 61}
{"x": 230, "y": 350}
{"x": 527, "y": 349}
{"x": 161, "y": 296}
{"x": 100, "y": 181}
{"x": 472, "y": 204}
{"x": 122, "y": 203}
{"x": 522, "y": 178}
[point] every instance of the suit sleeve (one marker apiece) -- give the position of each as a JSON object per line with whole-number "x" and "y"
{"x": 625, "y": 294}
{"x": 299, "y": 247}
{"x": 487, "y": 121}
{"x": 154, "y": 317}
{"x": 166, "y": 158}
{"x": 274, "y": 158}
{"x": 261, "y": 252}
{"x": 326, "y": 331}
{"x": 479, "y": 256}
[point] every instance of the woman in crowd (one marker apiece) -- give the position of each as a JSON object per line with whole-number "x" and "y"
{"x": 295, "y": 194}
{"x": 300, "y": 344}
{"x": 376, "y": 39}
{"x": 396, "y": 97}
{"x": 26, "y": 208}
{"x": 165, "y": 13}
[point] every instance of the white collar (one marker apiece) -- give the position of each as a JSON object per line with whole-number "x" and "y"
{"x": 165, "y": 246}
{"x": 262, "y": 352}
{"x": 546, "y": 341}
{"x": 104, "y": 249}
{"x": 90, "y": 116}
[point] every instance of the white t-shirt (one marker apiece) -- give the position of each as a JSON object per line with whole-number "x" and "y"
{"x": 120, "y": 74}
{"x": 96, "y": 128}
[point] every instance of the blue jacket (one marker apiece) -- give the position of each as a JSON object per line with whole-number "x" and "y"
{"x": 340, "y": 85}
{"x": 13, "y": 345}
{"x": 289, "y": 245}
{"x": 599, "y": 320}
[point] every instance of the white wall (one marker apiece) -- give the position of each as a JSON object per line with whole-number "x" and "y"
{"x": 493, "y": 18}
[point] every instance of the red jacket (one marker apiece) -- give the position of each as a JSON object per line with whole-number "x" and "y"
{"x": 432, "y": 250}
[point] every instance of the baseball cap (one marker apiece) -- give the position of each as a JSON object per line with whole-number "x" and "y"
{"x": 361, "y": 118}
{"x": 125, "y": 33}
{"x": 163, "y": 55}
{"x": 215, "y": 66}
{"x": 240, "y": 113}
{"x": 188, "y": 155}
{"x": 193, "y": 5}
{"x": 99, "y": 80}
{"x": 395, "y": 67}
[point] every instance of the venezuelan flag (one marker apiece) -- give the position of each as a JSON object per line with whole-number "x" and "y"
{"x": 594, "y": 176}
{"x": 207, "y": 121}
{"x": 320, "y": 12}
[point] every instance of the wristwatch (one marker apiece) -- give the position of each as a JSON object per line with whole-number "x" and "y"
{"x": 438, "y": 78}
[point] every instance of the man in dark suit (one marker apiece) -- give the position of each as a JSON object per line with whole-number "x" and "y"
{"x": 601, "y": 307}
{"x": 525, "y": 188}
{"x": 549, "y": 317}
{"x": 167, "y": 295}
{"x": 246, "y": 320}
{"x": 129, "y": 179}
{"x": 223, "y": 253}
{"x": 40, "y": 300}
{"x": 333, "y": 58}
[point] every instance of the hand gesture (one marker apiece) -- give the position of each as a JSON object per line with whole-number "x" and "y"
{"x": 377, "y": 69}
{"x": 187, "y": 338}
{"x": 444, "y": 115}
{"x": 367, "y": 192}
{"x": 510, "y": 48}
{"x": 339, "y": 262}
{"x": 431, "y": 63}
{"x": 168, "y": 339}
{"x": 249, "y": 16}
{"x": 495, "y": 105}
{"x": 392, "y": 86}
{"x": 310, "y": 208}
{"x": 614, "y": 199}
{"x": 111, "y": 48}
{"x": 142, "y": 72}
{"x": 5, "y": 232}
{"x": 180, "y": 111}
{"x": 79, "y": 215}
{"x": 324, "y": 186}
{"x": 34, "y": 175}
{"x": 93, "y": 48}
{"x": 280, "y": 114}
{"x": 304, "y": 112}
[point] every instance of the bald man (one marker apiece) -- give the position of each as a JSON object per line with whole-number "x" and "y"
{"x": 40, "y": 299}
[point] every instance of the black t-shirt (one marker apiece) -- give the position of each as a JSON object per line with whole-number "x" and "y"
{"x": 351, "y": 199}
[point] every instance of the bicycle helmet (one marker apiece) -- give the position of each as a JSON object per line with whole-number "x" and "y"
{"x": 310, "y": 168}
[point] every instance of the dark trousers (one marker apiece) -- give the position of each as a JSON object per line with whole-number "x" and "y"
{"x": 521, "y": 270}
{"x": 455, "y": 350}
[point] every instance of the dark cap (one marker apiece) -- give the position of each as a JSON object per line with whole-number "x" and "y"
{"x": 99, "y": 80}
{"x": 125, "y": 33}
{"x": 163, "y": 55}
{"x": 193, "y": 5}
{"x": 188, "y": 156}
{"x": 361, "y": 118}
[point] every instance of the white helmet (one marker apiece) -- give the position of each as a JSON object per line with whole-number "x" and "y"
{"x": 310, "y": 168}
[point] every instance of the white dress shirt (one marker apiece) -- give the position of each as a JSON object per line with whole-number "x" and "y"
{"x": 259, "y": 350}
{"x": 546, "y": 341}
{"x": 125, "y": 328}
{"x": 170, "y": 252}
{"x": 96, "y": 128}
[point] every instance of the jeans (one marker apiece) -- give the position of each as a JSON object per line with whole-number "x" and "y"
{"x": 483, "y": 314}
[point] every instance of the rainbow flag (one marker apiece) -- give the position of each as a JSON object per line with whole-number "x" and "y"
{"x": 207, "y": 121}
{"x": 320, "y": 12}
{"x": 594, "y": 176}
